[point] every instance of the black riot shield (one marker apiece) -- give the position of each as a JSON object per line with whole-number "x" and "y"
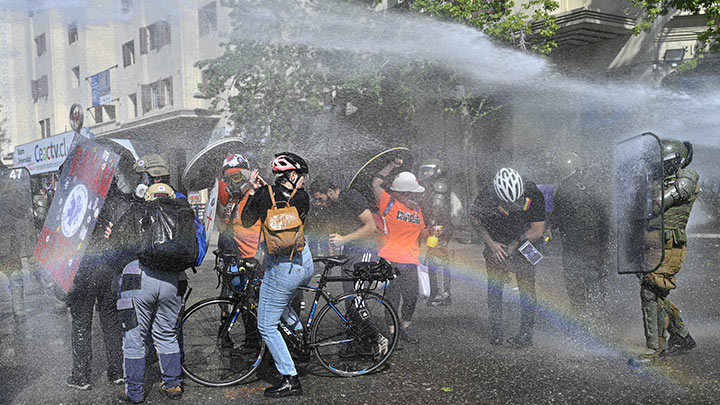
{"x": 17, "y": 238}
{"x": 204, "y": 167}
{"x": 363, "y": 177}
{"x": 638, "y": 204}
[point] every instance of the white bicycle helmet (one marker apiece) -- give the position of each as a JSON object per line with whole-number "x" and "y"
{"x": 508, "y": 185}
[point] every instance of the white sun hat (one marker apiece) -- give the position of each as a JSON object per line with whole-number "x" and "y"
{"x": 406, "y": 182}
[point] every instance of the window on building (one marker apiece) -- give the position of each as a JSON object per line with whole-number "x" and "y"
{"x": 128, "y": 50}
{"x": 167, "y": 90}
{"x": 97, "y": 114}
{"x": 109, "y": 111}
{"x": 72, "y": 33}
{"x": 207, "y": 18}
{"x": 132, "y": 105}
{"x": 154, "y": 36}
{"x": 45, "y": 128}
{"x": 40, "y": 44}
{"x": 126, "y": 6}
{"x": 75, "y": 77}
{"x": 156, "y": 95}
{"x": 39, "y": 88}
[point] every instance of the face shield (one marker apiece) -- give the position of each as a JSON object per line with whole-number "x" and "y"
{"x": 427, "y": 171}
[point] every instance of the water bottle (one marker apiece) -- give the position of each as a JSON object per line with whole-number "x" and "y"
{"x": 432, "y": 240}
{"x": 236, "y": 281}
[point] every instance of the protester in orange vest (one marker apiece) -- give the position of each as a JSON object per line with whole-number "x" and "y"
{"x": 403, "y": 225}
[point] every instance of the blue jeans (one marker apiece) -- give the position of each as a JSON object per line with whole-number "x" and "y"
{"x": 156, "y": 306}
{"x": 281, "y": 280}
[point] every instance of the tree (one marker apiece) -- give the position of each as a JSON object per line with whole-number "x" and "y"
{"x": 274, "y": 76}
{"x": 501, "y": 19}
{"x": 709, "y": 38}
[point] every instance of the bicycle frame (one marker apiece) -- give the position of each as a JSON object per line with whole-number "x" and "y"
{"x": 319, "y": 290}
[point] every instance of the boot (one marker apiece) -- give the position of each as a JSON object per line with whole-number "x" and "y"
{"x": 17, "y": 295}
{"x": 680, "y": 345}
{"x": 170, "y": 370}
{"x": 435, "y": 301}
{"x": 289, "y": 386}
{"x": 135, "y": 379}
{"x": 447, "y": 300}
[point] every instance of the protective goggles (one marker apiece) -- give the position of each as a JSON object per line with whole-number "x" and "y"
{"x": 234, "y": 177}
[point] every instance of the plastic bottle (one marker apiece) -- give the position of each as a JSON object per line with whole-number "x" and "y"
{"x": 432, "y": 240}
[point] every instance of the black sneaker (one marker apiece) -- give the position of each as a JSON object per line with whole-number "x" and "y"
{"x": 77, "y": 384}
{"x": 175, "y": 392}
{"x": 496, "y": 341}
{"x": 435, "y": 301}
{"x": 407, "y": 335}
{"x": 520, "y": 341}
{"x": 116, "y": 380}
{"x": 680, "y": 346}
{"x": 245, "y": 350}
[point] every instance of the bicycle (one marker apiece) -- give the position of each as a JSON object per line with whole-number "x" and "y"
{"x": 354, "y": 333}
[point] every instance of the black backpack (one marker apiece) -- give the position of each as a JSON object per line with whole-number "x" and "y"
{"x": 169, "y": 235}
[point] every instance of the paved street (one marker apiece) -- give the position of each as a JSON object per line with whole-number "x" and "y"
{"x": 574, "y": 360}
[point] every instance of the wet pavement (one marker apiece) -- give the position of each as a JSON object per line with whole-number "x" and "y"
{"x": 575, "y": 358}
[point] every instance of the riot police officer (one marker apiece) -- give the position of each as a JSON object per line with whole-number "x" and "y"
{"x": 11, "y": 266}
{"x": 436, "y": 211}
{"x": 581, "y": 215}
{"x": 680, "y": 189}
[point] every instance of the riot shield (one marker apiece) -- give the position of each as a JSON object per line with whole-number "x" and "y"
{"x": 125, "y": 174}
{"x": 362, "y": 179}
{"x": 638, "y": 204}
{"x": 204, "y": 167}
{"x": 17, "y": 238}
{"x": 210, "y": 208}
{"x": 79, "y": 196}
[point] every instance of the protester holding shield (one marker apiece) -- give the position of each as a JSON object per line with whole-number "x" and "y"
{"x": 403, "y": 225}
{"x": 94, "y": 285}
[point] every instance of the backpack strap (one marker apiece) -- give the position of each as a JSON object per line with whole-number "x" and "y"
{"x": 386, "y": 211}
{"x": 272, "y": 197}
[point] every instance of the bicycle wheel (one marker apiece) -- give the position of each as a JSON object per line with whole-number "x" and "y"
{"x": 215, "y": 359}
{"x": 351, "y": 335}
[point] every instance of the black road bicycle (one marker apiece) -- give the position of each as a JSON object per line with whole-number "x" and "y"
{"x": 353, "y": 334}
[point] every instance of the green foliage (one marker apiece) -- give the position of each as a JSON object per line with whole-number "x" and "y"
{"x": 501, "y": 19}
{"x": 268, "y": 87}
{"x": 709, "y": 38}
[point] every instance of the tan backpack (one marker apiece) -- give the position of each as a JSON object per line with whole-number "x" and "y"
{"x": 283, "y": 228}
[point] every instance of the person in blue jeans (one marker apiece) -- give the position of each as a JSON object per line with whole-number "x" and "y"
{"x": 284, "y": 273}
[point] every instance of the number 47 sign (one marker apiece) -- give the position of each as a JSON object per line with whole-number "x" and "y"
{"x": 84, "y": 183}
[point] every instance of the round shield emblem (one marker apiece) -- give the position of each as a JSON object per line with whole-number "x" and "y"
{"x": 73, "y": 210}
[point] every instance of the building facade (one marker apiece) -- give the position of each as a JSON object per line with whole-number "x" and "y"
{"x": 130, "y": 63}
